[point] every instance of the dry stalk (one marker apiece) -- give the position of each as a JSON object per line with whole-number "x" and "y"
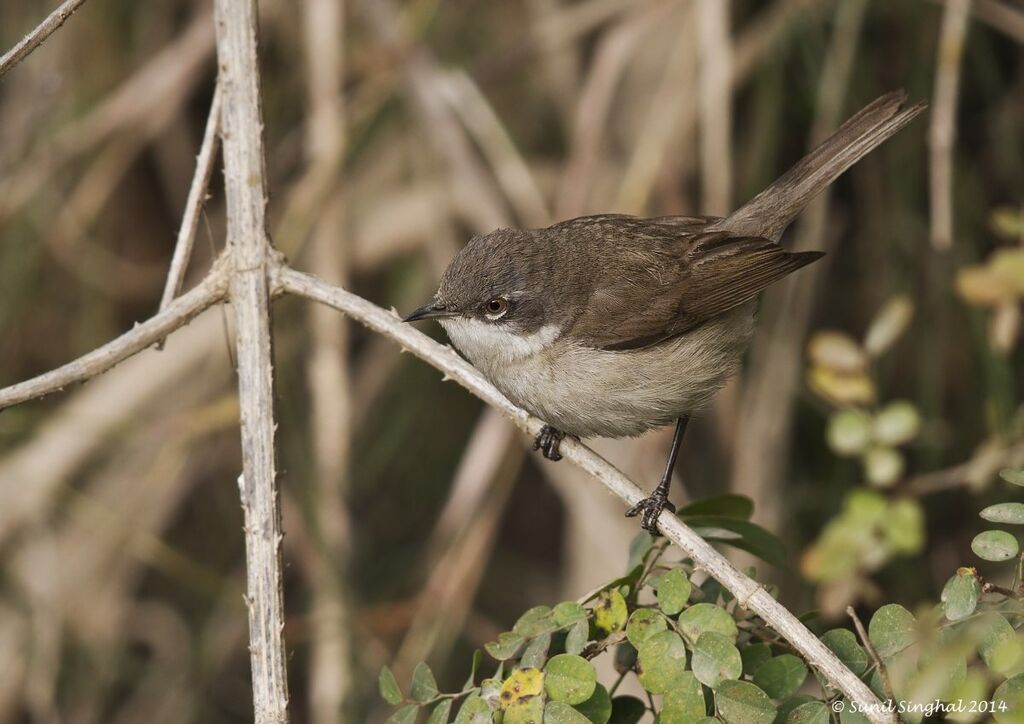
{"x": 942, "y": 133}
{"x": 249, "y": 246}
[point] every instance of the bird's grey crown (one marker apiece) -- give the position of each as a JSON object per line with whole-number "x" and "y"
{"x": 506, "y": 263}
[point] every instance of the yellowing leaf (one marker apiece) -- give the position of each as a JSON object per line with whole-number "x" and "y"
{"x": 1007, "y": 222}
{"x": 883, "y": 466}
{"x": 841, "y": 389}
{"x": 1008, "y": 265}
{"x": 836, "y": 351}
{"x": 521, "y": 684}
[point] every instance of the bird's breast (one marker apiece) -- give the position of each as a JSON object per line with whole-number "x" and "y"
{"x": 595, "y": 392}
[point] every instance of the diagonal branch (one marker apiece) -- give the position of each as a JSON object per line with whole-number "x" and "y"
{"x": 42, "y": 31}
{"x": 747, "y": 591}
{"x": 194, "y": 203}
{"x": 210, "y": 291}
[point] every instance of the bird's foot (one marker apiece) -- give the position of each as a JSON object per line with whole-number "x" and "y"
{"x": 547, "y": 441}
{"x": 651, "y": 507}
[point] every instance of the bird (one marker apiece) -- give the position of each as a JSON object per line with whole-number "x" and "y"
{"x": 611, "y": 325}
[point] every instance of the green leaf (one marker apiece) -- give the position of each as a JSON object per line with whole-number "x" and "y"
{"x": 740, "y": 702}
{"x": 643, "y": 624}
{"x": 558, "y": 712}
{"x": 995, "y": 545}
{"x": 883, "y": 465}
{"x": 960, "y": 594}
{"x": 702, "y": 617}
{"x": 1008, "y": 513}
{"x": 577, "y": 638}
{"x": 598, "y": 708}
{"x": 999, "y": 644}
{"x": 525, "y": 711}
{"x": 684, "y": 703}
{"x": 538, "y": 620}
{"x": 897, "y": 423}
{"x": 568, "y": 612}
{"x": 405, "y": 715}
{"x": 754, "y": 655}
{"x": 508, "y": 645}
{"x": 471, "y": 679}
{"x": 639, "y": 547}
{"x": 424, "y": 685}
{"x": 849, "y": 716}
{"x": 1012, "y": 476}
{"x": 753, "y": 538}
{"x": 973, "y": 687}
{"x": 569, "y": 678}
{"x": 891, "y": 630}
{"x": 610, "y": 613}
{"x": 849, "y": 431}
{"x": 388, "y": 685}
{"x": 781, "y": 676}
{"x": 1011, "y": 694}
{"x": 730, "y": 506}
{"x": 441, "y": 713}
{"x": 790, "y": 704}
{"x": 844, "y": 644}
{"x": 813, "y": 712}
{"x": 490, "y": 689}
{"x": 625, "y": 657}
{"x": 715, "y": 659}
{"x": 673, "y": 591}
{"x": 662, "y": 662}
{"x": 627, "y": 710}
{"x": 536, "y": 653}
{"x": 474, "y": 711}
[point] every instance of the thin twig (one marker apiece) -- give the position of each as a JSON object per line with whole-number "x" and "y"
{"x": 210, "y": 291}
{"x": 873, "y": 653}
{"x": 942, "y": 132}
{"x": 747, "y": 591}
{"x": 249, "y": 245}
{"x": 988, "y": 586}
{"x": 194, "y": 204}
{"x": 141, "y": 106}
{"x": 974, "y": 473}
{"x": 42, "y": 31}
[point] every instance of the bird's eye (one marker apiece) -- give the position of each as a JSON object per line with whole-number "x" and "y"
{"x": 496, "y": 308}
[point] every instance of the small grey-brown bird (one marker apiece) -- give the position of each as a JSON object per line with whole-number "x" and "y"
{"x": 611, "y": 325}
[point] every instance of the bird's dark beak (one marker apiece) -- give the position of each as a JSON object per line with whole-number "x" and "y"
{"x": 431, "y": 310}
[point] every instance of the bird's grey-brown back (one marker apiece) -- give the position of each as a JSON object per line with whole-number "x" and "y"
{"x": 612, "y": 324}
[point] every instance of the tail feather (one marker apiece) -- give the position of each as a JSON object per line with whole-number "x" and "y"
{"x": 771, "y": 211}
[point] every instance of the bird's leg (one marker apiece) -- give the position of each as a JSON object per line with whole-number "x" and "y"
{"x": 547, "y": 441}
{"x": 657, "y": 501}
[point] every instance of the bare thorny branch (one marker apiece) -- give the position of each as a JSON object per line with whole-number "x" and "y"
{"x": 248, "y": 274}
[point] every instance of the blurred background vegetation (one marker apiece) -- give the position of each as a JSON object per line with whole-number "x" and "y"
{"x": 418, "y": 526}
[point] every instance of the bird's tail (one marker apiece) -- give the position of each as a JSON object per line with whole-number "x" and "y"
{"x": 771, "y": 211}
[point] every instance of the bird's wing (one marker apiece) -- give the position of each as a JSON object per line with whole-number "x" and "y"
{"x": 660, "y": 283}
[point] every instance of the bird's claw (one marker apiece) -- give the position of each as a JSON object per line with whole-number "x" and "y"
{"x": 548, "y": 441}
{"x": 651, "y": 508}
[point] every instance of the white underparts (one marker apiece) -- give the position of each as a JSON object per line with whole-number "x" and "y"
{"x": 587, "y": 391}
